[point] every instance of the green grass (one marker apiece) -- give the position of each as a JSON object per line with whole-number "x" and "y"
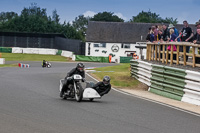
{"x": 120, "y": 78}
{"x": 32, "y": 57}
{"x": 8, "y": 65}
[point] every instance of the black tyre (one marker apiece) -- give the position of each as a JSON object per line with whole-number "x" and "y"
{"x": 91, "y": 99}
{"x": 79, "y": 92}
{"x": 63, "y": 96}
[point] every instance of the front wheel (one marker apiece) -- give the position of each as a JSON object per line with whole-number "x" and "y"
{"x": 79, "y": 92}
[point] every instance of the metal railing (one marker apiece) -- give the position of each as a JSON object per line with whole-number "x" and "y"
{"x": 154, "y": 52}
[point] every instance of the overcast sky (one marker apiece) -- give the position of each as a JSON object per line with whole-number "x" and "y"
{"x": 69, "y": 9}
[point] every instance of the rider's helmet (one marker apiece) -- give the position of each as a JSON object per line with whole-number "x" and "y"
{"x": 106, "y": 80}
{"x": 80, "y": 67}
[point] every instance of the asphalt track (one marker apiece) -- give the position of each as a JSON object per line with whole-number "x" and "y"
{"x": 30, "y": 103}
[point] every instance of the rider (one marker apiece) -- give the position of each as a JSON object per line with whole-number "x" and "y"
{"x": 78, "y": 70}
{"x": 103, "y": 87}
{"x": 44, "y": 63}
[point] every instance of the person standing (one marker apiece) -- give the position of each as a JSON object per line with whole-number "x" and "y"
{"x": 187, "y": 35}
{"x": 110, "y": 58}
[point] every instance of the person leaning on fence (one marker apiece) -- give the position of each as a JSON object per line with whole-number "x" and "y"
{"x": 187, "y": 34}
{"x": 197, "y": 40}
{"x": 165, "y": 33}
{"x": 155, "y": 32}
{"x": 197, "y": 35}
{"x": 148, "y": 35}
{"x": 171, "y": 26}
{"x": 160, "y": 39}
{"x": 172, "y": 38}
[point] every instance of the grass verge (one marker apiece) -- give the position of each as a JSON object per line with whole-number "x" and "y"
{"x": 32, "y": 57}
{"x": 8, "y": 65}
{"x": 120, "y": 76}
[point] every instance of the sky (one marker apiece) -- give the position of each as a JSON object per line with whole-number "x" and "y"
{"x": 68, "y": 10}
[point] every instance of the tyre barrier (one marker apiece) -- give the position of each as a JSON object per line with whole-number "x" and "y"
{"x": 23, "y": 65}
{"x": 174, "y": 83}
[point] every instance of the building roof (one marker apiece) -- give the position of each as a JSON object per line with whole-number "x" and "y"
{"x": 120, "y": 32}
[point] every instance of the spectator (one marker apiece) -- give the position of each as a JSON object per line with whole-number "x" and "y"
{"x": 135, "y": 56}
{"x": 172, "y": 38}
{"x": 172, "y": 35}
{"x": 187, "y": 34}
{"x": 160, "y": 35}
{"x": 197, "y": 40}
{"x": 155, "y": 32}
{"x": 160, "y": 38}
{"x": 171, "y": 26}
{"x": 149, "y": 35}
{"x": 196, "y": 36}
{"x": 165, "y": 33}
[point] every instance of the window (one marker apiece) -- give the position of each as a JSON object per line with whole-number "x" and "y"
{"x": 100, "y": 45}
{"x": 126, "y": 46}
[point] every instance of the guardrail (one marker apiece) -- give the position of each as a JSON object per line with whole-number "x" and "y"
{"x": 167, "y": 81}
{"x": 154, "y": 52}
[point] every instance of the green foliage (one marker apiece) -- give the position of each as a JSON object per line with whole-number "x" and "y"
{"x": 55, "y": 16}
{"x": 107, "y": 17}
{"x": 80, "y": 24}
{"x": 35, "y": 20}
{"x": 149, "y": 17}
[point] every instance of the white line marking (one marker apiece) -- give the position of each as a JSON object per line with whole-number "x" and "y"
{"x": 126, "y": 93}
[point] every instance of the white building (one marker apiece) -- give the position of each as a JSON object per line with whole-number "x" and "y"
{"x": 116, "y": 38}
{"x": 116, "y": 49}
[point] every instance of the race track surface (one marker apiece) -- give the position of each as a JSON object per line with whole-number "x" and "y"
{"x": 30, "y": 103}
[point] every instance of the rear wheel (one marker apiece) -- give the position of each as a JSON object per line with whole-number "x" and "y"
{"x": 79, "y": 92}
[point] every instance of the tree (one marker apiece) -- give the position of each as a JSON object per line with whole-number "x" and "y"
{"x": 6, "y": 16}
{"x": 34, "y": 10}
{"x": 149, "y": 17}
{"x": 107, "y": 17}
{"x": 80, "y": 24}
{"x": 35, "y": 20}
{"x": 55, "y": 16}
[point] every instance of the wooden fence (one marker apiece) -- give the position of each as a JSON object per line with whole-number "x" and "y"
{"x": 154, "y": 52}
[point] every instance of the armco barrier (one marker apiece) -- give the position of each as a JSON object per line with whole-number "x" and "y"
{"x": 141, "y": 71}
{"x": 125, "y": 59}
{"x": 91, "y": 58}
{"x": 67, "y": 53}
{"x": 5, "y": 49}
{"x": 17, "y": 50}
{"x": 59, "y": 52}
{"x": 167, "y": 81}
